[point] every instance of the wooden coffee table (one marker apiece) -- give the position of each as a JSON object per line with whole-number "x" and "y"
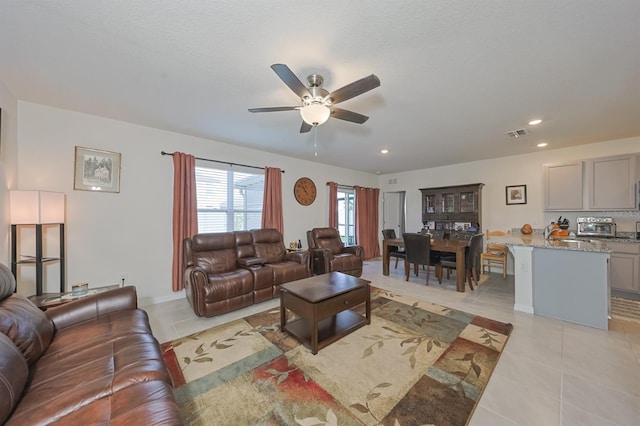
{"x": 324, "y": 305}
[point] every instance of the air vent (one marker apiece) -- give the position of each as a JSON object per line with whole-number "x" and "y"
{"x": 393, "y": 181}
{"x": 514, "y": 134}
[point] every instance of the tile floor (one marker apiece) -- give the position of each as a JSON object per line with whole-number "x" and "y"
{"x": 551, "y": 373}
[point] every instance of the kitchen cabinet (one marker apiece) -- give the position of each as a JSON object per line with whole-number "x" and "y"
{"x": 611, "y": 182}
{"x": 625, "y": 267}
{"x": 444, "y": 207}
{"x": 563, "y": 186}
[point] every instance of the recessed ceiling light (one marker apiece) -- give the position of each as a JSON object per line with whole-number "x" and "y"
{"x": 384, "y": 151}
{"x": 535, "y": 122}
{"x": 542, "y": 144}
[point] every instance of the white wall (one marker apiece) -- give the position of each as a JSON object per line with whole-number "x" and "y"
{"x": 130, "y": 233}
{"x": 500, "y": 172}
{"x": 8, "y": 165}
{"x": 109, "y": 235}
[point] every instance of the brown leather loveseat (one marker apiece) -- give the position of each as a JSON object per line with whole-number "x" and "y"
{"x": 90, "y": 361}
{"x": 227, "y": 271}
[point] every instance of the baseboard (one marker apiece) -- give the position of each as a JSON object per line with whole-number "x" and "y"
{"x": 523, "y": 308}
{"x": 161, "y": 299}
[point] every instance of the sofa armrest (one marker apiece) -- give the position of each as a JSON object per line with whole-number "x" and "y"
{"x": 248, "y": 262}
{"x": 301, "y": 257}
{"x": 357, "y": 250}
{"x": 93, "y": 306}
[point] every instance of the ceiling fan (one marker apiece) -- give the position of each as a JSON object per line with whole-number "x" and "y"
{"x": 317, "y": 103}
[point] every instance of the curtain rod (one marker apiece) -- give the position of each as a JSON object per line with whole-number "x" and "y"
{"x": 343, "y": 185}
{"x": 218, "y": 161}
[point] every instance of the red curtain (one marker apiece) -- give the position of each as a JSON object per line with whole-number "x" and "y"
{"x": 367, "y": 220}
{"x": 333, "y": 204}
{"x": 185, "y": 212}
{"x": 272, "y": 203}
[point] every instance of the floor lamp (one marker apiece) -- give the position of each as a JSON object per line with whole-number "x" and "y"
{"x": 37, "y": 208}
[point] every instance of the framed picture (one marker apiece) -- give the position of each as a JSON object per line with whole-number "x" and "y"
{"x": 96, "y": 170}
{"x": 516, "y": 194}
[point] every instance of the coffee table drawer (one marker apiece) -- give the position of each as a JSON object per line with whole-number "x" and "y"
{"x": 342, "y": 302}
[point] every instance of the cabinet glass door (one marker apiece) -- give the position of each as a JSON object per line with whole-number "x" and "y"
{"x": 430, "y": 203}
{"x": 448, "y": 203}
{"x": 467, "y": 202}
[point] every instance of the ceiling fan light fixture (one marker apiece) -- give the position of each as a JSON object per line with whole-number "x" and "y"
{"x": 315, "y": 114}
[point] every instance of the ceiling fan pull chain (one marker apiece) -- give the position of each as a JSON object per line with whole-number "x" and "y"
{"x": 315, "y": 140}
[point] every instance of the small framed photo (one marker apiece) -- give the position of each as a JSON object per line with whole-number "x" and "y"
{"x": 97, "y": 170}
{"x": 516, "y": 194}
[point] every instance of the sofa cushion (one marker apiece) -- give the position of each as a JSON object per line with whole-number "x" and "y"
{"x": 285, "y": 272}
{"x": 328, "y": 238}
{"x": 13, "y": 376}
{"x": 63, "y": 384}
{"x": 106, "y": 328}
{"x": 26, "y": 325}
{"x": 215, "y": 253}
{"x": 150, "y": 403}
{"x": 268, "y": 245}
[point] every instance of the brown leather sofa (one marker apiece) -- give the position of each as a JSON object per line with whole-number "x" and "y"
{"x": 329, "y": 254}
{"x": 227, "y": 271}
{"x": 90, "y": 361}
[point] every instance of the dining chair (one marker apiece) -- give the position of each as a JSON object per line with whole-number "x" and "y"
{"x": 394, "y": 251}
{"x": 450, "y": 258}
{"x": 472, "y": 255}
{"x": 495, "y": 254}
{"x": 417, "y": 249}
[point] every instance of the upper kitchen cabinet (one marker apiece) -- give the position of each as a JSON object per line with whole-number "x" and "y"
{"x": 611, "y": 182}
{"x": 596, "y": 184}
{"x": 563, "y": 186}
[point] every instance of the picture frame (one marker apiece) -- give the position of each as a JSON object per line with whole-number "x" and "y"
{"x": 96, "y": 170}
{"x": 516, "y": 194}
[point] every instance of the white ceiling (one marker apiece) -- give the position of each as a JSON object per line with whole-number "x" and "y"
{"x": 455, "y": 75}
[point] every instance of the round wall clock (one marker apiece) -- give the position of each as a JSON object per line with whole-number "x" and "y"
{"x": 305, "y": 191}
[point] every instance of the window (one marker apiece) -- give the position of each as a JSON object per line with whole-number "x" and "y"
{"x": 228, "y": 200}
{"x": 346, "y": 215}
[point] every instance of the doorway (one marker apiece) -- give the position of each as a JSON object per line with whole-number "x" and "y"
{"x": 394, "y": 212}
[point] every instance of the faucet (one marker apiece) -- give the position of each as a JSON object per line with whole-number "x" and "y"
{"x": 549, "y": 230}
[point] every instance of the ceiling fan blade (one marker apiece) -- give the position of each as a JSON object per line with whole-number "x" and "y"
{"x": 306, "y": 127}
{"x": 290, "y": 80}
{"x": 272, "y": 109}
{"x": 354, "y": 89}
{"x": 346, "y": 115}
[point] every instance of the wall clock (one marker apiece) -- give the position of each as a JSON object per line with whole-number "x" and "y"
{"x": 305, "y": 191}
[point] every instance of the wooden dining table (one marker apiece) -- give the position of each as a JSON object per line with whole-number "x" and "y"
{"x": 449, "y": 246}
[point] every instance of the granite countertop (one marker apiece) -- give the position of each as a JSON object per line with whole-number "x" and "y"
{"x": 565, "y": 243}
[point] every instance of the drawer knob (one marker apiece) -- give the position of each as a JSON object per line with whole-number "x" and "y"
{"x": 346, "y": 302}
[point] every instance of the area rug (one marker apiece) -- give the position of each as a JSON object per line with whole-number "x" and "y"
{"x": 416, "y": 363}
{"x": 625, "y": 309}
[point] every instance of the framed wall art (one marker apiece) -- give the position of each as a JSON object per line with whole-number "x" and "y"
{"x": 516, "y": 194}
{"x": 96, "y": 170}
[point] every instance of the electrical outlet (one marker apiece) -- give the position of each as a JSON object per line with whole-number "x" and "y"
{"x": 535, "y": 220}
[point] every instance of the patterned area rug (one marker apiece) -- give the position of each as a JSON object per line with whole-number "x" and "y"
{"x": 416, "y": 363}
{"x": 625, "y": 309}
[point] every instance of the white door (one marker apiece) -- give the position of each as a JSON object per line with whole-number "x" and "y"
{"x": 393, "y": 212}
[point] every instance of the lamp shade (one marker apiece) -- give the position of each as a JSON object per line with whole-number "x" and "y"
{"x": 36, "y": 207}
{"x": 315, "y": 114}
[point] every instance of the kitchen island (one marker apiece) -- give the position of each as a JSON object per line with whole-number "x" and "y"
{"x": 567, "y": 279}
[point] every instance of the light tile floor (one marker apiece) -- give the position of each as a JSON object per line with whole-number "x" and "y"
{"x": 551, "y": 372}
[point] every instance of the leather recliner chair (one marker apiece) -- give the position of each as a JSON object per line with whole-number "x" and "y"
{"x": 329, "y": 254}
